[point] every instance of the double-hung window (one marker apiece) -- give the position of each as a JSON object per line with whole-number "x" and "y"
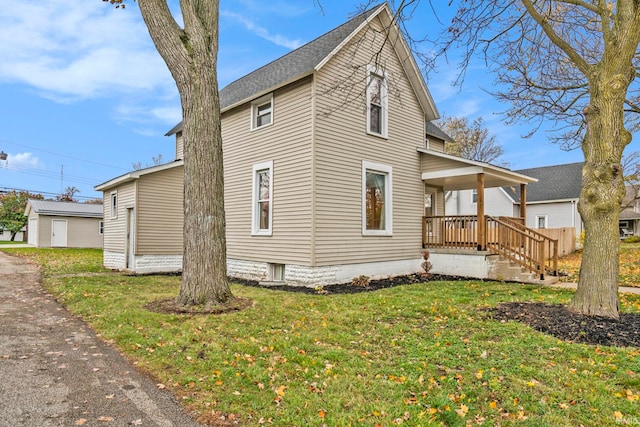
{"x": 262, "y": 112}
{"x": 262, "y": 214}
{"x": 376, "y": 102}
{"x": 114, "y": 204}
{"x": 377, "y": 204}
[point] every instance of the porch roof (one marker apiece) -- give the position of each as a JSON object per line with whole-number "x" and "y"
{"x": 455, "y": 173}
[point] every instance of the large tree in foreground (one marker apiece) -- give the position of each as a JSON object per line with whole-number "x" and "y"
{"x": 574, "y": 62}
{"x": 191, "y": 54}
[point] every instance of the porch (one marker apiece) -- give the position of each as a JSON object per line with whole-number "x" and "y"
{"x": 503, "y": 236}
{"x": 495, "y": 239}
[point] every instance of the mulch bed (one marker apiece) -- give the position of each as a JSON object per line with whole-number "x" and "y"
{"x": 566, "y": 325}
{"x": 349, "y": 288}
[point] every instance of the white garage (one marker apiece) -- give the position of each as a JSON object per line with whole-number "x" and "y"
{"x": 64, "y": 224}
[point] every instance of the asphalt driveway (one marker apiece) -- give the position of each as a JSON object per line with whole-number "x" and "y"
{"x": 54, "y": 371}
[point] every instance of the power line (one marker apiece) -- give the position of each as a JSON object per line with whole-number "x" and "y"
{"x": 44, "y": 193}
{"x": 63, "y": 155}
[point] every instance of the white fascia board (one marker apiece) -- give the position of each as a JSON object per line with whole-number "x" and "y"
{"x": 446, "y": 173}
{"x": 545, "y": 202}
{"x": 487, "y": 168}
{"x": 135, "y": 175}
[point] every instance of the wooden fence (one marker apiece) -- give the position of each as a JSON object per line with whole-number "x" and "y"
{"x": 566, "y": 238}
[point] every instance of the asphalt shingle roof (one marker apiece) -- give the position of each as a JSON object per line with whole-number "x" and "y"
{"x": 559, "y": 182}
{"x": 435, "y": 131}
{"x": 289, "y": 67}
{"x": 47, "y": 207}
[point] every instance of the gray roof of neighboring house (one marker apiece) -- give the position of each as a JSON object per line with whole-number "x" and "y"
{"x": 435, "y": 131}
{"x": 290, "y": 67}
{"x": 559, "y": 182}
{"x": 47, "y": 207}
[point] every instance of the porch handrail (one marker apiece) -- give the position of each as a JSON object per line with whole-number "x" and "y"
{"x": 551, "y": 245}
{"x": 523, "y": 246}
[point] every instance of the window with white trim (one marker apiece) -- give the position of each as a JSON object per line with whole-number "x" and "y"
{"x": 542, "y": 221}
{"x": 262, "y": 112}
{"x": 474, "y": 196}
{"x": 114, "y": 204}
{"x": 377, "y": 205}
{"x": 262, "y": 214}
{"x": 376, "y": 102}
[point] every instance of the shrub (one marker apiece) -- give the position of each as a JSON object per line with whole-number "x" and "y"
{"x": 361, "y": 281}
{"x": 632, "y": 239}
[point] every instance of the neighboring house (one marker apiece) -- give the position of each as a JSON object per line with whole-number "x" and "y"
{"x": 630, "y": 214}
{"x": 552, "y": 202}
{"x": 64, "y": 224}
{"x": 6, "y": 235}
{"x": 332, "y": 168}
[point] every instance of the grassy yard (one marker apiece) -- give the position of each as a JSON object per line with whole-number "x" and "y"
{"x": 416, "y": 355}
{"x": 629, "y": 265}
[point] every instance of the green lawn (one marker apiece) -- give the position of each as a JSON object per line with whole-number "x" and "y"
{"x": 415, "y": 355}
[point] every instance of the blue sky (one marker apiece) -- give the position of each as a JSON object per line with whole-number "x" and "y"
{"x": 85, "y": 95}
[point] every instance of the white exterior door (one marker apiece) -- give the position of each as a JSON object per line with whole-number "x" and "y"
{"x": 58, "y": 233}
{"x": 32, "y": 239}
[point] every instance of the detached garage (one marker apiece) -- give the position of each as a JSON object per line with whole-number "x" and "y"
{"x": 64, "y": 224}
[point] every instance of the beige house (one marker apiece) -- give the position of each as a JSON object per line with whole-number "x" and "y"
{"x": 333, "y": 169}
{"x": 64, "y": 224}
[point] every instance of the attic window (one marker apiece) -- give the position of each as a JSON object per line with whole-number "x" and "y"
{"x": 262, "y": 112}
{"x": 376, "y": 102}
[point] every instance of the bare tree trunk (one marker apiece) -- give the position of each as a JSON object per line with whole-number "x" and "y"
{"x": 601, "y": 196}
{"x": 204, "y": 268}
{"x": 191, "y": 56}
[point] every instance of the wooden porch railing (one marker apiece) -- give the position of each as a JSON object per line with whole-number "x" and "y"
{"x": 522, "y": 245}
{"x": 505, "y": 236}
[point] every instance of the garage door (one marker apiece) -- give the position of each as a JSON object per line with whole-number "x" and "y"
{"x": 33, "y": 232}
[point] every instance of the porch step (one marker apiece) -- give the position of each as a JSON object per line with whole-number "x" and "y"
{"x": 506, "y": 270}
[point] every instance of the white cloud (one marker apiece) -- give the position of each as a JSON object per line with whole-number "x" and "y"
{"x": 19, "y": 161}
{"x": 79, "y": 50}
{"x": 261, "y": 31}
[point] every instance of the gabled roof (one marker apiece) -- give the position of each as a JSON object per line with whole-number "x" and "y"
{"x": 559, "y": 182}
{"x": 135, "y": 175}
{"x": 47, "y": 207}
{"x": 310, "y": 57}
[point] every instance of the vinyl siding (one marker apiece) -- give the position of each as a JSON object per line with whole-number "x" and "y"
{"x": 561, "y": 214}
{"x": 342, "y": 144}
{"x": 115, "y": 228}
{"x": 287, "y": 142}
{"x": 179, "y": 146}
{"x": 81, "y": 232}
{"x": 435, "y": 164}
{"x": 436, "y": 144}
{"x": 160, "y": 212}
